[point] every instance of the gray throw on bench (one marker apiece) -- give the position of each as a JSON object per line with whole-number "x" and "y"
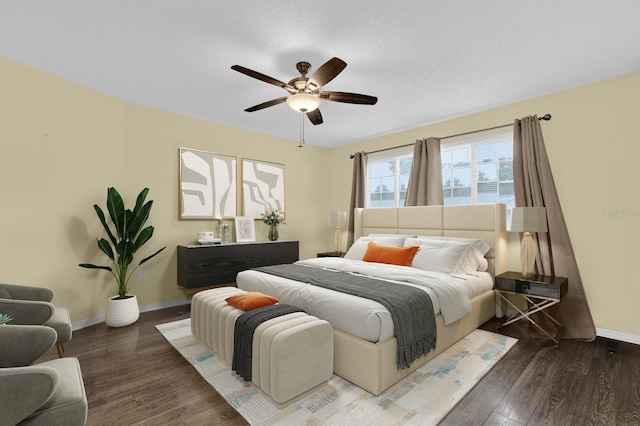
{"x": 244, "y": 330}
{"x": 411, "y": 308}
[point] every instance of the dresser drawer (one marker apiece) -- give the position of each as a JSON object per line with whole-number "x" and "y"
{"x": 538, "y": 285}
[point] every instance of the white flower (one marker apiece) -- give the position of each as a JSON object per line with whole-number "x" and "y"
{"x": 272, "y": 217}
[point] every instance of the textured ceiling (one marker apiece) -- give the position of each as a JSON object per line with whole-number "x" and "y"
{"x": 426, "y": 61}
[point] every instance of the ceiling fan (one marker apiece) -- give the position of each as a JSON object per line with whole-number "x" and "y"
{"x": 305, "y": 95}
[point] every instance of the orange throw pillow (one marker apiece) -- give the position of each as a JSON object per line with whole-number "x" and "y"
{"x": 250, "y": 300}
{"x": 392, "y": 255}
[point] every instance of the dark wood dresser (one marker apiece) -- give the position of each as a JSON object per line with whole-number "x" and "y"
{"x": 201, "y": 267}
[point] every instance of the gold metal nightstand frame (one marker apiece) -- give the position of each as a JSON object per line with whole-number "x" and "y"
{"x": 537, "y": 304}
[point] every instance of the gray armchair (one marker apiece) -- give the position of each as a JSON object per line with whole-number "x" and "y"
{"x": 49, "y": 393}
{"x": 32, "y": 306}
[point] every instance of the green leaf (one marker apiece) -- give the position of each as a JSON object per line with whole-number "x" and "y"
{"x": 140, "y": 200}
{"x": 92, "y": 266}
{"x": 149, "y": 257}
{"x": 106, "y": 248}
{"x": 144, "y": 236}
{"x": 140, "y": 213}
{"x": 125, "y": 252}
{"x": 128, "y": 217}
{"x": 139, "y": 219}
{"x": 115, "y": 206}
{"x": 104, "y": 223}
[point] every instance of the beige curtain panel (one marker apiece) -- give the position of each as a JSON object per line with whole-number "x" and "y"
{"x": 534, "y": 187}
{"x": 425, "y": 180}
{"x": 358, "y": 186}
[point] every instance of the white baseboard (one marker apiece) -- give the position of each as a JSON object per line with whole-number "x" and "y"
{"x": 607, "y": 334}
{"x": 146, "y": 308}
{"x": 616, "y": 335}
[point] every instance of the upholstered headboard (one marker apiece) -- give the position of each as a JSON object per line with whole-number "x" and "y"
{"x": 486, "y": 221}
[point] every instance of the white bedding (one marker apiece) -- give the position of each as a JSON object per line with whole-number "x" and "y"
{"x": 361, "y": 317}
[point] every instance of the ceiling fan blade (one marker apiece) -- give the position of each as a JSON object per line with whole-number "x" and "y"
{"x": 267, "y": 104}
{"x": 263, "y": 77}
{"x": 315, "y": 117}
{"x": 349, "y": 98}
{"x": 327, "y": 72}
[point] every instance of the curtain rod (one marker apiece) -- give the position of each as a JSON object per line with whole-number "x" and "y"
{"x": 545, "y": 117}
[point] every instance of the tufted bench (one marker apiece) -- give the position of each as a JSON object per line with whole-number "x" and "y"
{"x": 291, "y": 354}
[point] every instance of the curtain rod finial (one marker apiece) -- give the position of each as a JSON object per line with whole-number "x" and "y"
{"x": 545, "y": 117}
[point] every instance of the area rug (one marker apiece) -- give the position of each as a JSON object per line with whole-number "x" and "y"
{"x": 422, "y": 398}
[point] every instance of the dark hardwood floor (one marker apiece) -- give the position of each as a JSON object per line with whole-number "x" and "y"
{"x": 133, "y": 376}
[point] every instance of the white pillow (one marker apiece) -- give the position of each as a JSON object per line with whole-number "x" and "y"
{"x": 450, "y": 257}
{"x": 357, "y": 250}
{"x": 482, "y": 246}
{"x": 483, "y": 265}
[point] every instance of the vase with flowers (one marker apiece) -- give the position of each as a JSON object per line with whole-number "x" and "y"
{"x": 273, "y": 218}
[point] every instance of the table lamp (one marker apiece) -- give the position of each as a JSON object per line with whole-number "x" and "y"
{"x": 338, "y": 220}
{"x": 528, "y": 220}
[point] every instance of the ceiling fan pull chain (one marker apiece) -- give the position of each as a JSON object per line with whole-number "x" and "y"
{"x": 302, "y": 114}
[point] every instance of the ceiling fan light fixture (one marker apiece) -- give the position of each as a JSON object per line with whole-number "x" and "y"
{"x": 303, "y": 101}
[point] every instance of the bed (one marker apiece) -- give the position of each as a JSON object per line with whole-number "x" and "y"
{"x": 364, "y": 345}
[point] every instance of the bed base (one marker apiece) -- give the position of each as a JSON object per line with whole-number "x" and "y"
{"x": 372, "y": 366}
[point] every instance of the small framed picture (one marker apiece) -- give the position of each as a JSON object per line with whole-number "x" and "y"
{"x": 245, "y": 229}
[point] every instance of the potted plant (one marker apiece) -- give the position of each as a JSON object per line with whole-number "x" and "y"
{"x": 127, "y": 238}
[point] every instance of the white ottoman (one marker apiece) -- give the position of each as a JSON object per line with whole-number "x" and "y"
{"x": 291, "y": 354}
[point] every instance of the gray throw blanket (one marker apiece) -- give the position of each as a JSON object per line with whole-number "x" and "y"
{"x": 411, "y": 309}
{"x": 243, "y": 331}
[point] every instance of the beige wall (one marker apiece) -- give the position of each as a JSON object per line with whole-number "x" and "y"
{"x": 593, "y": 146}
{"x": 63, "y": 145}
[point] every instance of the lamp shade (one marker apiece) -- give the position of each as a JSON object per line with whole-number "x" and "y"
{"x": 338, "y": 219}
{"x": 528, "y": 219}
{"x": 303, "y": 102}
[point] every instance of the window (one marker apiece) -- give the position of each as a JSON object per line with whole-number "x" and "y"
{"x": 474, "y": 171}
{"x": 388, "y": 178}
{"x": 479, "y": 171}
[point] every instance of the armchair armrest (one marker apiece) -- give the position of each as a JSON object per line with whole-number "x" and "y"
{"x": 28, "y": 388}
{"x": 27, "y": 312}
{"x": 23, "y": 344}
{"x": 23, "y": 292}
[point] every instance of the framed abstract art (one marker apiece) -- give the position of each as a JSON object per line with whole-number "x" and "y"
{"x": 207, "y": 185}
{"x": 262, "y": 187}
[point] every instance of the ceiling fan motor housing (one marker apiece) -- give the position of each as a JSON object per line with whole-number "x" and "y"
{"x": 300, "y": 83}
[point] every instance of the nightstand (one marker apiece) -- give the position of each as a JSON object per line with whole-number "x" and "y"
{"x": 540, "y": 291}
{"x": 332, "y": 254}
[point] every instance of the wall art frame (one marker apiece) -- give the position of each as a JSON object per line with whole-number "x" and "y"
{"x": 245, "y": 229}
{"x": 208, "y": 185}
{"x": 263, "y": 187}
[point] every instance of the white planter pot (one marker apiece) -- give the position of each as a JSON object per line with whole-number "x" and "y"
{"x": 122, "y": 312}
